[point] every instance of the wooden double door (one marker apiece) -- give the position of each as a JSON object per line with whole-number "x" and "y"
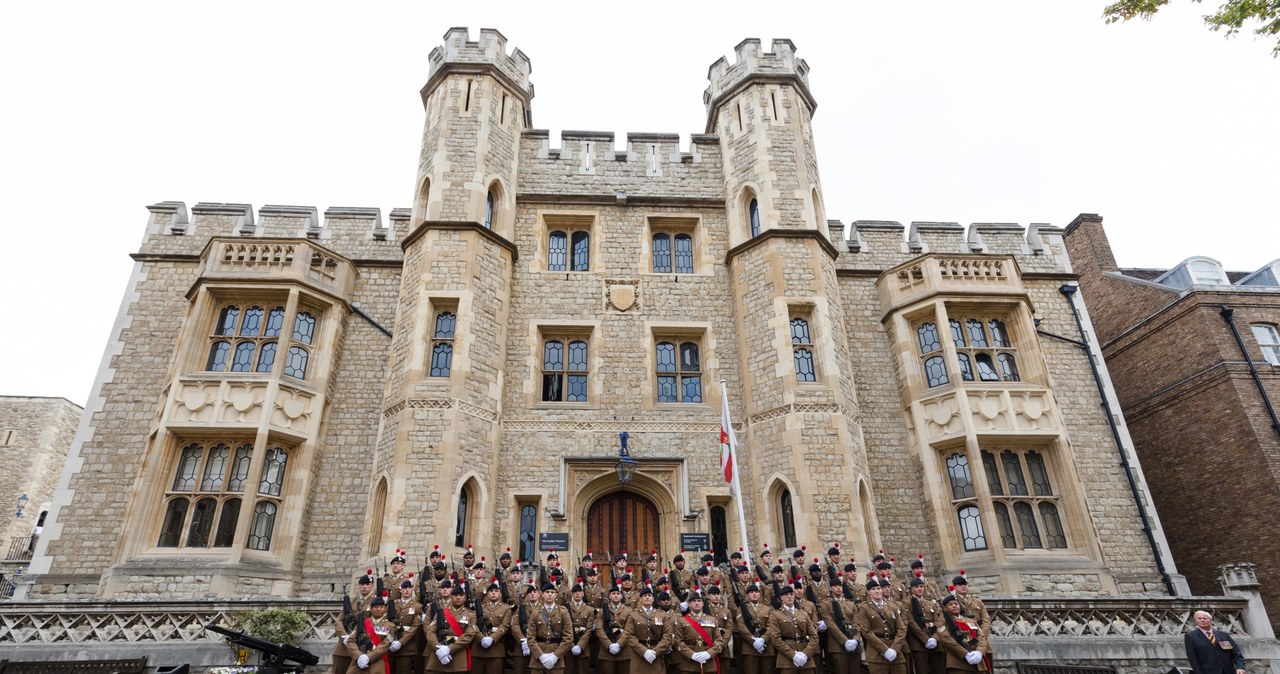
{"x": 622, "y": 520}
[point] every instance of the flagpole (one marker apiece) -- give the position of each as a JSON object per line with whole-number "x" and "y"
{"x": 735, "y": 486}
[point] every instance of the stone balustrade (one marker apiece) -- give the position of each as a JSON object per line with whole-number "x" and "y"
{"x": 230, "y": 259}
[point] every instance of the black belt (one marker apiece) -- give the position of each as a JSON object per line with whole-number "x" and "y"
{"x": 801, "y": 640}
{"x": 547, "y": 641}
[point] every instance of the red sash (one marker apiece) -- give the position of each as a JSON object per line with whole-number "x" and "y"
{"x": 373, "y": 637}
{"x": 706, "y": 638}
{"x": 457, "y": 632}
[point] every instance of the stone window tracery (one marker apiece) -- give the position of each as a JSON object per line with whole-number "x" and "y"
{"x": 442, "y": 337}
{"x": 1023, "y": 499}
{"x": 566, "y": 366}
{"x": 678, "y": 370}
{"x": 984, "y": 350}
{"x": 246, "y": 338}
{"x": 203, "y": 502}
{"x": 802, "y": 350}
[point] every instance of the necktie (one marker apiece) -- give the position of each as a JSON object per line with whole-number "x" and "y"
{"x": 1212, "y": 639}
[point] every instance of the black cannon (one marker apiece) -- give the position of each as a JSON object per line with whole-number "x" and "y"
{"x": 275, "y": 657}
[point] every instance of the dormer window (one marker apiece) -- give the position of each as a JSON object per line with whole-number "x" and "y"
{"x": 1206, "y": 273}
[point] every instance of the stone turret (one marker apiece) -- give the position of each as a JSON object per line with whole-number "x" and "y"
{"x": 801, "y": 406}
{"x": 441, "y": 402}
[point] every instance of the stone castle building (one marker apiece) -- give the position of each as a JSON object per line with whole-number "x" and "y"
{"x": 35, "y": 434}
{"x": 1195, "y": 354}
{"x": 287, "y": 395}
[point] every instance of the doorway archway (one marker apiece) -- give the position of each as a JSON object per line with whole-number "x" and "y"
{"x": 623, "y": 520}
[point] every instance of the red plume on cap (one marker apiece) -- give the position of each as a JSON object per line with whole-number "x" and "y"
{"x": 653, "y": 551}
{"x": 624, "y": 552}
{"x": 579, "y": 581}
{"x": 815, "y": 560}
{"x": 717, "y": 582}
{"x": 803, "y": 547}
{"x": 531, "y": 581}
{"x": 666, "y": 570}
{"x": 682, "y": 551}
{"x": 481, "y": 558}
{"x": 384, "y": 593}
{"x": 557, "y": 563}
{"x": 840, "y": 575}
{"x": 739, "y": 548}
{"x": 708, "y": 565}
{"x": 890, "y": 560}
{"x": 435, "y": 547}
{"x": 368, "y": 572}
{"x": 882, "y": 551}
{"x": 920, "y": 556}
{"x": 443, "y": 557}
{"x": 919, "y": 573}
{"x": 495, "y": 580}
{"x": 836, "y": 544}
{"x": 963, "y": 573}
{"x": 508, "y": 548}
{"x": 884, "y": 574}
{"x": 951, "y": 588}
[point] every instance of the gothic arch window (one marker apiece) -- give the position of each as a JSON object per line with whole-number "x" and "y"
{"x": 787, "y": 516}
{"x": 935, "y": 369}
{"x": 442, "y": 336}
{"x": 490, "y": 207}
{"x": 818, "y": 215}
{"x": 424, "y": 195}
{"x": 802, "y": 349}
{"x": 467, "y": 503}
{"x": 720, "y": 534}
{"x": 753, "y": 216}
{"x": 528, "y": 532}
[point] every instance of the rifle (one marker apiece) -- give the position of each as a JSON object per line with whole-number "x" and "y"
{"x": 363, "y": 641}
{"x": 480, "y": 617}
{"x": 838, "y": 614}
{"x": 747, "y": 619}
{"x": 674, "y": 579}
{"x": 610, "y": 626}
{"x": 348, "y": 613}
{"x": 422, "y": 582}
{"x": 777, "y": 594}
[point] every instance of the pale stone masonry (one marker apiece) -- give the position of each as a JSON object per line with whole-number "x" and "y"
{"x": 580, "y": 292}
{"x": 35, "y": 434}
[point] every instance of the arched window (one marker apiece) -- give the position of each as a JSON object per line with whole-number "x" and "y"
{"x": 984, "y": 349}
{"x": 802, "y": 350}
{"x": 720, "y": 534}
{"x": 264, "y": 523}
{"x": 753, "y": 216}
{"x": 935, "y": 370}
{"x": 581, "y": 251}
{"x": 684, "y": 254}
{"x": 424, "y": 196}
{"x": 489, "y": 207}
{"x": 466, "y": 516}
{"x": 245, "y": 341}
{"x": 206, "y": 496}
{"x": 442, "y": 344}
{"x": 1021, "y": 497}
{"x": 528, "y": 531}
{"x": 565, "y": 370}
{"x": 557, "y": 251}
{"x": 788, "y": 517}
{"x": 661, "y": 253}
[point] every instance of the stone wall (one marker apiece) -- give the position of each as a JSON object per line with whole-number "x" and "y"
{"x": 35, "y": 434}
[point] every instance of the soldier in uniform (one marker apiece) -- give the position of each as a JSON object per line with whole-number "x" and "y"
{"x": 765, "y": 566}
{"x": 449, "y": 635}
{"x": 380, "y": 632}
{"x": 883, "y": 625}
{"x": 493, "y": 623}
{"x": 392, "y": 579}
{"x": 404, "y": 657}
{"x": 504, "y": 564}
{"x": 709, "y": 563}
{"x": 924, "y": 615}
{"x": 681, "y": 578}
{"x": 520, "y": 615}
{"x": 583, "y": 616}
{"x": 833, "y": 566}
{"x": 965, "y": 643}
{"x": 802, "y": 602}
{"x": 972, "y": 607}
{"x": 438, "y": 574}
{"x": 842, "y": 637}
{"x": 715, "y": 606}
{"x": 931, "y": 589}
{"x": 592, "y": 591}
{"x": 649, "y": 573}
{"x": 751, "y": 628}
{"x": 853, "y": 590}
{"x": 645, "y": 633}
{"x": 741, "y": 581}
{"x": 897, "y": 589}
{"x": 771, "y": 589}
{"x": 610, "y": 621}
{"x": 698, "y": 638}
{"x": 550, "y": 633}
{"x": 620, "y": 564}
{"x": 515, "y": 585}
{"x": 794, "y": 635}
{"x": 630, "y": 594}
{"x": 359, "y": 605}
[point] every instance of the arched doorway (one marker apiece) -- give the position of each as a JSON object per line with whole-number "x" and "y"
{"x": 622, "y": 520}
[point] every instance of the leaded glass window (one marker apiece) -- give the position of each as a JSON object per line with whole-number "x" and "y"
{"x": 961, "y": 479}
{"x": 753, "y": 214}
{"x": 788, "y": 519}
{"x": 971, "y": 528}
{"x": 273, "y": 472}
{"x": 557, "y": 251}
{"x": 661, "y": 253}
{"x": 248, "y": 341}
{"x": 264, "y": 523}
{"x": 175, "y": 517}
{"x": 581, "y": 251}
{"x": 217, "y": 473}
{"x": 984, "y": 349}
{"x": 528, "y": 531}
{"x": 442, "y": 344}
{"x": 684, "y": 254}
{"x": 802, "y": 350}
{"x": 565, "y": 370}
{"x": 1027, "y": 513}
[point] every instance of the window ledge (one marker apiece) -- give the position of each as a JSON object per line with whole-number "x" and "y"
{"x": 565, "y": 406}
{"x": 672, "y": 275}
{"x": 682, "y": 406}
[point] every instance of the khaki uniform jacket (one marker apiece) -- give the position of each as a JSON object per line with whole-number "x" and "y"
{"x": 821, "y": 590}
{"x": 791, "y": 632}
{"x": 391, "y": 581}
{"x": 685, "y": 579}
{"x": 409, "y": 619}
{"x": 840, "y": 631}
{"x": 550, "y": 631}
{"x": 687, "y": 641}
{"x": 918, "y": 634}
{"x": 647, "y": 632}
{"x": 384, "y": 628}
{"x": 610, "y": 631}
{"x": 973, "y": 607}
{"x": 584, "y": 624}
{"x": 496, "y": 623}
{"x": 807, "y": 606}
{"x": 593, "y": 595}
{"x": 457, "y": 644}
{"x": 956, "y": 651}
{"x": 760, "y": 613}
{"x": 882, "y": 628}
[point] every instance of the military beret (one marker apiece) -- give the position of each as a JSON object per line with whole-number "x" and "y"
{"x": 663, "y": 596}
{"x": 445, "y": 584}
{"x": 492, "y": 587}
{"x": 694, "y": 596}
{"x": 884, "y": 566}
{"x": 592, "y": 572}
{"x": 878, "y": 558}
{"x": 477, "y": 565}
{"x": 529, "y": 590}
{"x": 505, "y": 555}
{"x": 736, "y": 555}
{"x": 468, "y": 553}
{"x": 850, "y": 567}
{"x": 708, "y": 558}
{"x": 458, "y": 591}
{"x": 678, "y": 558}
{"x": 786, "y": 589}
{"x": 548, "y": 587}
{"x": 914, "y": 582}
{"x": 948, "y": 599}
{"x": 626, "y": 577}
{"x": 798, "y": 553}
{"x": 435, "y": 554}
{"x": 777, "y": 568}
{"x": 836, "y": 582}
{"x": 744, "y": 569}
{"x": 753, "y": 588}
{"x": 614, "y": 588}
{"x": 577, "y": 588}
{"x": 884, "y": 582}
{"x": 714, "y": 589}
{"x": 703, "y": 571}
{"x": 959, "y": 580}
{"x": 406, "y": 583}
{"x": 378, "y": 601}
{"x": 398, "y": 559}
{"x": 646, "y": 590}
{"x": 364, "y": 580}
{"x": 438, "y": 565}
{"x": 833, "y": 551}
{"x": 551, "y": 556}
{"x": 873, "y": 584}
{"x": 814, "y": 568}
{"x": 917, "y": 563}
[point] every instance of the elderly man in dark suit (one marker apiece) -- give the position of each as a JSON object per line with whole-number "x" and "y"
{"x": 1212, "y": 651}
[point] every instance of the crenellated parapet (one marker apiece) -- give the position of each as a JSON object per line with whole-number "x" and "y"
{"x": 358, "y": 233}
{"x": 876, "y": 245}
{"x": 777, "y": 65}
{"x": 588, "y": 165}
{"x": 460, "y": 54}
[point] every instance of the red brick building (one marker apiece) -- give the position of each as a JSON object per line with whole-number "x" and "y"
{"x": 1194, "y": 355}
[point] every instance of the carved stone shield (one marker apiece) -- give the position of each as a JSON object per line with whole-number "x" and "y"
{"x": 622, "y": 297}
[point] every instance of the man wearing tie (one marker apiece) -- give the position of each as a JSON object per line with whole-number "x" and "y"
{"x": 1212, "y": 651}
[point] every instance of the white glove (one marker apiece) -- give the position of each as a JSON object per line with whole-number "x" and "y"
{"x": 822, "y": 626}
{"x": 395, "y": 645}
{"x": 684, "y": 606}
{"x": 486, "y": 642}
{"x": 548, "y": 660}
{"x": 851, "y": 645}
{"x": 576, "y": 650}
{"x": 890, "y": 655}
{"x": 363, "y": 661}
{"x": 615, "y": 648}
{"x": 931, "y": 643}
{"x": 344, "y": 639}
{"x": 700, "y": 657}
{"x": 758, "y": 644}
{"x": 524, "y": 647}
{"x": 442, "y": 652}
{"x": 799, "y": 659}
{"x": 446, "y": 659}
{"x": 650, "y": 655}
{"x": 974, "y": 657}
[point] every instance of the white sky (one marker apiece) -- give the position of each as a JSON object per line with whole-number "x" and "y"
{"x": 1007, "y": 111}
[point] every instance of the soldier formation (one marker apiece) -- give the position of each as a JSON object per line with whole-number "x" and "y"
{"x": 767, "y": 618}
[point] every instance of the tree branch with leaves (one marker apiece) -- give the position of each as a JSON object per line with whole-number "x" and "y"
{"x": 1231, "y": 16}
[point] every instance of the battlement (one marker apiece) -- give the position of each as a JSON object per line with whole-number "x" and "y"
{"x": 355, "y": 232}
{"x": 779, "y": 64}
{"x": 881, "y": 244}
{"x": 648, "y": 165}
{"x": 490, "y": 49}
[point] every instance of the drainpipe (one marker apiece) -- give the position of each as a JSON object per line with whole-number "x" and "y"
{"x": 1069, "y": 291}
{"x": 1228, "y": 315}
